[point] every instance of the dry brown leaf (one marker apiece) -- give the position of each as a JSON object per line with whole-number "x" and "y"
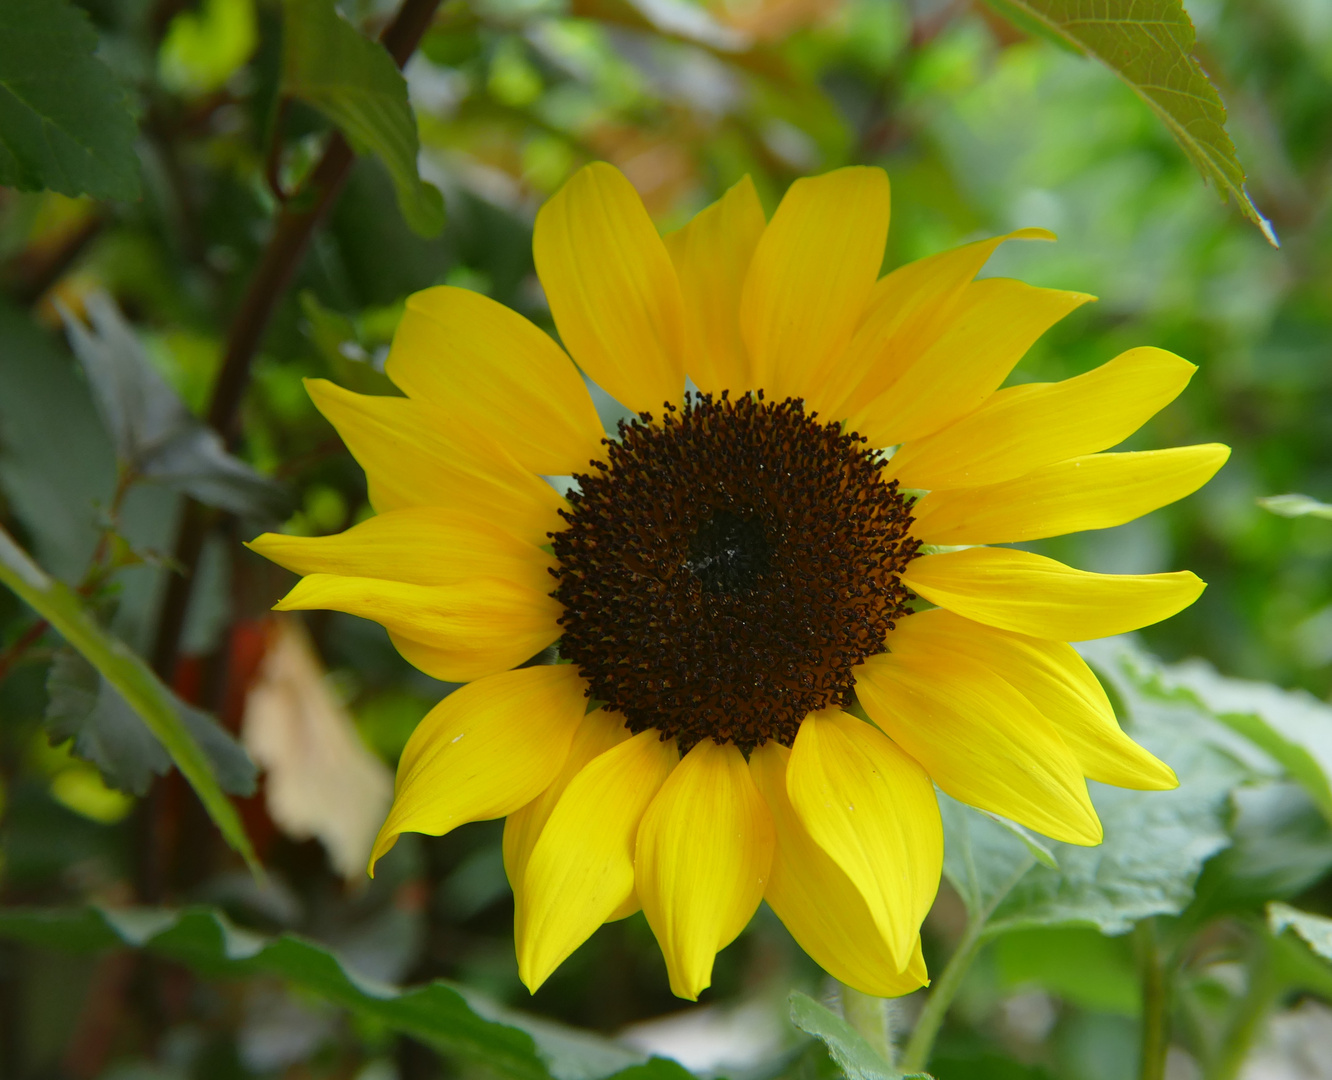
{"x": 320, "y": 779}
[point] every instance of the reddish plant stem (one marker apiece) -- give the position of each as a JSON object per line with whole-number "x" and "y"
{"x": 296, "y": 222}
{"x": 26, "y": 641}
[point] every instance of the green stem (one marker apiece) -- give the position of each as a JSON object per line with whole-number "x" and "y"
{"x": 1155, "y": 1003}
{"x": 869, "y": 1015}
{"x": 62, "y": 607}
{"x": 931, "y": 1018}
{"x": 1247, "y": 1019}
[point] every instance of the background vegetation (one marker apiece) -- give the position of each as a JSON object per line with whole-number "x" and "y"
{"x": 208, "y": 201}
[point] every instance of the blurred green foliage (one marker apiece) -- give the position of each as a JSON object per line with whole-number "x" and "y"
{"x": 982, "y": 128}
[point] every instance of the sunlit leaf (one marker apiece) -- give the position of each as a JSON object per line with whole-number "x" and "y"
{"x": 1295, "y": 506}
{"x": 449, "y": 1017}
{"x": 1149, "y": 44}
{"x": 65, "y": 122}
{"x": 354, "y": 82}
{"x": 204, "y": 48}
{"x": 64, "y": 610}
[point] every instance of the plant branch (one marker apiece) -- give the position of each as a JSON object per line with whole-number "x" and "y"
{"x": 1247, "y": 1019}
{"x": 1155, "y": 1002}
{"x": 869, "y": 1015}
{"x": 921, "y": 1044}
{"x": 296, "y": 222}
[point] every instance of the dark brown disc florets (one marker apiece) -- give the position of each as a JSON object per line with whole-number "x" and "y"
{"x": 726, "y": 570}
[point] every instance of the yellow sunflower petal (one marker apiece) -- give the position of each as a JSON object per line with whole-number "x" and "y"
{"x": 1054, "y": 678}
{"x": 599, "y": 731}
{"x": 413, "y": 456}
{"x": 479, "y": 361}
{"x": 817, "y": 901}
{"x": 979, "y": 739}
{"x": 907, "y": 311}
{"x": 872, "y": 809}
{"x": 487, "y": 749}
{"x": 703, "y": 855}
{"x": 1024, "y": 427}
{"x": 405, "y": 545}
{"x": 612, "y": 288}
{"x": 1093, "y": 492}
{"x": 810, "y": 276}
{"x": 477, "y": 627}
{"x": 1030, "y": 594}
{"x": 990, "y": 329}
{"x": 712, "y": 255}
{"x": 582, "y": 869}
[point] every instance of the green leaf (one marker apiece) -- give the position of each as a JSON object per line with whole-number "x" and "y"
{"x": 1314, "y": 929}
{"x": 847, "y": 1047}
{"x": 85, "y": 707}
{"x": 1282, "y": 845}
{"x": 156, "y": 437}
{"x": 1292, "y": 726}
{"x": 354, "y": 82}
{"x": 1156, "y": 842}
{"x": 983, "y": 859}
{"x": 64, "y": 610}
{"x": 65, "y": 123}
{"x": 1149, "y": 44}
{"x": 1040, "y": 851}
{"x": 449, "y": 1017}
{"x": 1295, "y": 506}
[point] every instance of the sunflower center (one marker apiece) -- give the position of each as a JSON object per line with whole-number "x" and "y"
{"x": 728, "y": 553}
{"x": 724, "y": 571}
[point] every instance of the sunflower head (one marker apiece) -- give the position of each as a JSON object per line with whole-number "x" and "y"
{"x": 780, "y": 602}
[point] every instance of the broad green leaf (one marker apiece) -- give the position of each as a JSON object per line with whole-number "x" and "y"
{"x": 84, "y": 706}
{"x": 1282, "y": 845}
{"x": 1296, "y": 506}
{"x": 451, "y": 1018}
{"x": 1040, "y": 851}
{"x": 1149, "y": 44}
{"x": 354, "y": 82}
{"x": 1156, "y": 842}
{"x": 852, "y": 1052}
{"x": 1292, "y": 726}
{"x": 1314, "y": 929}
{"x": 57, "y": 465}
{"x": 983, "y": 859}
{"x": 155, "y": 435}
{"x": 135, "y": 681}
{"x": 65, "y": 123}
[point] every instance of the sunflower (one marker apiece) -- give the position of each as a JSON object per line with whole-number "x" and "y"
{"x": 777, "y": 621}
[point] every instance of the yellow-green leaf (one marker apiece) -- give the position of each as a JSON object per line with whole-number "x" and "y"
{"x": 354, "y": 82}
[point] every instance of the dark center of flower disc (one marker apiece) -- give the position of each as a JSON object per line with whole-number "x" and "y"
{"x": 728, "y": 553}
{"x": 725, "y": 570}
